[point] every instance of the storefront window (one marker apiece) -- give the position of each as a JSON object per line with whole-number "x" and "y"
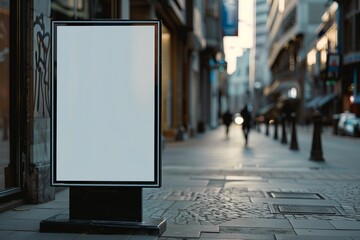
{"x": 6, "y": 176}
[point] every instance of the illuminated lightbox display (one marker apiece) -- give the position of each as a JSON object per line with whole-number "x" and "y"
{"x": 106, "y": 103}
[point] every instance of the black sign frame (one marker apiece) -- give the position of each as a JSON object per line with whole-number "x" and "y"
{"x": 57, "y": 169}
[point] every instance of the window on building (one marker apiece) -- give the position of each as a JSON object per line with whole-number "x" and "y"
{"x": 332, "y": 35}
{"x": 212, "y": 8}
{"x": 348, "y": 34}
{"x": 357, "y": 33}
{"x": 351, "y": 7}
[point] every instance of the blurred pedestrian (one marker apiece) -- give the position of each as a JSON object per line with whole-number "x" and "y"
{"x": 227, "y": 120}
{"x": 246, "y": 125}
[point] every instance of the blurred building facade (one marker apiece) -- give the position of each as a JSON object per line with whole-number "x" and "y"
{"x": 323, "y": 67}
{"x": 211, "y": 66}
{"x": 238, "y": 83}
{"x": 332, "y": 62}
{"x": 313, "y": 54}
{"x": 260, "y": 58}
{"x": 190, "y": 77}
{"x": 291, "y": 25}
{"x": 349, "y": 49}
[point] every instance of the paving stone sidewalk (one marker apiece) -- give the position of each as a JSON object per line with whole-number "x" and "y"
{"x": 216, "y": 188}
{"x": 219, "y": 182}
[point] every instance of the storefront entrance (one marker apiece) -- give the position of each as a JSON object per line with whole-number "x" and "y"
{"x": 5, "y": 182}
{"x": 9, "y": 171}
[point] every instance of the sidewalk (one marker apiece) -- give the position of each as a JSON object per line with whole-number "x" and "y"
{"x": 216, "y": 188}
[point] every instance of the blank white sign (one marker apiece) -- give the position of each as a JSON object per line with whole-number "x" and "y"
{"x": 105, "y": 104}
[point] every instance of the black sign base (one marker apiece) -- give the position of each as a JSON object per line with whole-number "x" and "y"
{"x": 106, "y": 203}
{"x": 63, "y": 224}
{"x": 104, "y": 210}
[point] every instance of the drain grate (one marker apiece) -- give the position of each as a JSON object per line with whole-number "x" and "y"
{"x": 295, "y": 195}
{"x": 304, "y": 209}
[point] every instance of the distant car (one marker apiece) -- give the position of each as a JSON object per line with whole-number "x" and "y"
{"x": 349, "y": 124}
{"x": 352, "y": 127}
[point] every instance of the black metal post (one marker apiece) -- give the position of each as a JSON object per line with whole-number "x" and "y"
{"x": 294, "y": 142}
{"x": 267, "y": 127}
{"x": 283, "y": 135}
{"x": 316, "y": 153}
{"x": 276, "y": 129}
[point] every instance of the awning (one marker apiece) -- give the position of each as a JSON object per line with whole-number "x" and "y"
{"x": 266, "y": 109}
{"x": 313, "y": 103}
{"x": 320, "y": 101}
{"x": 279, "y": 86}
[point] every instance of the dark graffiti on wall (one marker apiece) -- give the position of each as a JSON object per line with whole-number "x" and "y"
{"x": 42, "y": 68}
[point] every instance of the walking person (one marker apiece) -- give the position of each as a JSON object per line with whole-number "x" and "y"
{"x": 227, "y": 119}
{"x": 246, "y": 125}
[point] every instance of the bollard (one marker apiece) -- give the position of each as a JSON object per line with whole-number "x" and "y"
{"x": 316, "y": 153}
{"x": 294, "y": 142}
{"x": 276, "y": 129}
{"x": 283, "y": 135}
{"x": 267, "y": 127}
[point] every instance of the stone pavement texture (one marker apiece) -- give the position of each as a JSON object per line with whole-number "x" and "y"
{"x": 217, "y": 188}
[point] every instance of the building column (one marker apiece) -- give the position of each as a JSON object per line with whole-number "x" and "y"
{"x": 37, "y": 152}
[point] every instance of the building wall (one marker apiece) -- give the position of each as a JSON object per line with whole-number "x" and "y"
{"x": 37, "y": 174}
{"x": 350, "y": 48}
{"x": 238, "y": 85}
{"x": 198, "y": 39}
{"x": 214, "y": 44}
{"x": 317, "y": 82}
{"x": 261, "y": 13}
{"x": 207, "y": 43}
{"x": 292, "y": 26}
{"x": 260, "y": 62}
{"x": 209, "y": 75}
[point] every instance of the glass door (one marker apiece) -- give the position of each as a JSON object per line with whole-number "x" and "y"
{"x": 6, "y": 173}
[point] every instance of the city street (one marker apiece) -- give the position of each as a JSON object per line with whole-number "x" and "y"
{"x": 216, "y": 188}
{"x": 112, "y": 113}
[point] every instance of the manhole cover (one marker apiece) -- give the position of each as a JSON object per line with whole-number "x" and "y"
{"x": 295, "y": 195}
{"x": 301, "y": 209}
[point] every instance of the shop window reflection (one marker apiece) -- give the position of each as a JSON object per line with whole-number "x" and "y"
{"x": 82, "y": 9}
{"x": 5, "y": 171}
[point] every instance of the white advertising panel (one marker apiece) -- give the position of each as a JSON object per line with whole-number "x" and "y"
{"x": 106, "y": 103}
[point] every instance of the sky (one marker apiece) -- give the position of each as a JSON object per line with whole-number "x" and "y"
{"x": 233, "y": 46}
